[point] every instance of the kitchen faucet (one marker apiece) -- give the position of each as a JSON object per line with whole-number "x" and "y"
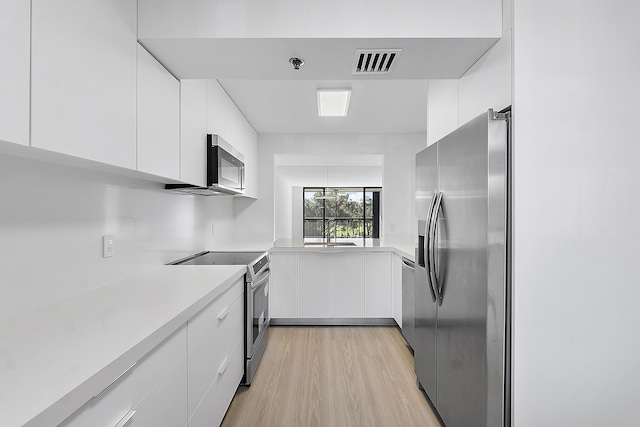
{"x": 335, "y": 227}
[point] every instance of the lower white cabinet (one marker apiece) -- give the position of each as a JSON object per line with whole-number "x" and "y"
{"x": 314, "y": 275}
{"x": 346, "y": 284}
{"x": 378, "y": 279}
{"x": 127, "y": 392}
{"x": 166, "y": 402}
{"x": 189, "y": 379}
{"x": 215, "y": 402}
{"x": 283, "y": 285}
{"x": 215, "y": 367}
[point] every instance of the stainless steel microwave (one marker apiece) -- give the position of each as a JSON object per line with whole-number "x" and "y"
{"x": 225, "y": 171}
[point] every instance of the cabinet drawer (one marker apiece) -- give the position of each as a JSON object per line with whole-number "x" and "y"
{"x": 212, "y": 349}
{"x": 119, "y": 398}
{"x": 209, "y": 315}
{"x": 214, "y": 405}
{"x": 166, "y": 403}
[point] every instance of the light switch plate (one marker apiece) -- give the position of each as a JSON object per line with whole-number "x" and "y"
{"x": 107, "y": 246}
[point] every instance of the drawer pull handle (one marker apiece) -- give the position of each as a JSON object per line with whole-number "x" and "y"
{"x": 117, "y": 378}
{"x": 224, "y": 365}
{"x": 223, "y": 314}
{"x": 125, "y": 420}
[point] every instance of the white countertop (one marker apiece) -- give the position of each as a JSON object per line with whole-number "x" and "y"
{"x": 402, "y": 249}
{"x": 54, "y": 359}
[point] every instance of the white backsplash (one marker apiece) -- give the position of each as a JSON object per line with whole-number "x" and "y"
{"x": 53, "y": 217}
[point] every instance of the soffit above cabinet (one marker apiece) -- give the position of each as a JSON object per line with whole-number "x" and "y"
{"x": 325, "y": 59}
{"x": 246, "y": 46}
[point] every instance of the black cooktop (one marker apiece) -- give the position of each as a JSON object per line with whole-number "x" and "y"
{"x": 221, "y": 258}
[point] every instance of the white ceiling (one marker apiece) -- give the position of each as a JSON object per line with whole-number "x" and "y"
{"x": 277, "y": 99}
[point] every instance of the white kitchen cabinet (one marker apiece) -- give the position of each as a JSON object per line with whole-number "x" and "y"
{"x": 119, "y": 398}
{"x": 214, "y": 404}
{"x": 15, "y": 46}
{"x": 214, "y": 313}
{"x": 314, "y": 290}
{"x": 83, "y": 79}
{"x": 213, "y": 351}
{"x": 378, "y": 284}
{"x": 166, "y": 403}
{"x": 191, "y": 377}
{"x": 283, "y": 284}
{"x": 158, "y": 116}
{"x": 347, "y": 284}
{"x": 193, "y": 132}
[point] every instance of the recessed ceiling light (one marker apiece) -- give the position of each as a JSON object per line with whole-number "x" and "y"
{"x": 333, "y": 102}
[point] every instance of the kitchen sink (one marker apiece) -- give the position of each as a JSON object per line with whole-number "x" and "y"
{"x": 330, "y": 244}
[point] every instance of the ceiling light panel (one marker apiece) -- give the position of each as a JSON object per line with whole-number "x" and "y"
{"x": 333, "y": 102}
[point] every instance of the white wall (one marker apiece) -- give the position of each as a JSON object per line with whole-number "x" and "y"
{"x": 576, "y": 98}
{"x": 52, "y": 218}
{"x": 566, "y": 69}
{"x": 257, "y": 218}
{"x": 314, "y": 19}
{"x": 443, "y": 108}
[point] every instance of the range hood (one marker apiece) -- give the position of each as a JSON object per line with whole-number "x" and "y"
{"x": 212, "y": 190}
{"x": 225, "y": 171}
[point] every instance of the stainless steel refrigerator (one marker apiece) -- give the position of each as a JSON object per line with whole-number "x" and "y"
{"x": 462, "y": 328}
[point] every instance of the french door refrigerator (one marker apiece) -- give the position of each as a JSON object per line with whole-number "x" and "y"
{"x": 462, "y": 346}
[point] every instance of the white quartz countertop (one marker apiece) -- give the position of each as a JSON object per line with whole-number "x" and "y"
{"x": 54, "y": 359}
{"x": 401, "y": 248}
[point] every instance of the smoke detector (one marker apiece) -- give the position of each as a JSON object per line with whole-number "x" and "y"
{"x": 296, "y": 62}
{"x": 374, "y": 61}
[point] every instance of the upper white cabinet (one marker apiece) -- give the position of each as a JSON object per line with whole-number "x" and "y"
{"x": 83, "y": 87}
{"x": 15, "y": 38}
{"x": 158, "y": 113}
{"x": 193, "y": 132}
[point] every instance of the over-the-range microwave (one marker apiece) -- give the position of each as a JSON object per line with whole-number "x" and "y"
{"x": 225, "y": 171}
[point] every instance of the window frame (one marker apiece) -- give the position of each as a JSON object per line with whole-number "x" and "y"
{"x": 375, "y": 210}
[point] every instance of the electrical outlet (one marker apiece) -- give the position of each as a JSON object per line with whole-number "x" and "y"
{"x": 213, "y": 229}
{"x": 107, "y": 246}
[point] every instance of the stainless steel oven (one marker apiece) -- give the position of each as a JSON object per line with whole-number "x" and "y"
{"x": 257, "y": 310}
{"x": 256, "y": 300}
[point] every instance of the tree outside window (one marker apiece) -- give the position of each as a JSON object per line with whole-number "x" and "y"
{"x": 342, "y": 213}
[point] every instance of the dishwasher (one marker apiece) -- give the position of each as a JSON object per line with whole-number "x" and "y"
{"x": 408, "y": 301}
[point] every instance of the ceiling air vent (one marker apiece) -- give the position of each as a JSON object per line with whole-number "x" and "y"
{"x": 375, "y": 61}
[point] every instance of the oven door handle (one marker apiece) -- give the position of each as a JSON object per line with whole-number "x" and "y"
{"x": 261, "y": 279}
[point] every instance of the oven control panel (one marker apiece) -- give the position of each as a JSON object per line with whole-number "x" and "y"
{"x": 260, "y": 264}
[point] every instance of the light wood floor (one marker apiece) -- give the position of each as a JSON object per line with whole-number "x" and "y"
{"x": 332, "y": 376}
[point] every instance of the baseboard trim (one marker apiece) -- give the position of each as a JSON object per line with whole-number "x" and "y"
{"x": 382, "y": 321}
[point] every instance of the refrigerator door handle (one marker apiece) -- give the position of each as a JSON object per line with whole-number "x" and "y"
{"x": 427, "y": 228}
{"x": 433, "y": 226}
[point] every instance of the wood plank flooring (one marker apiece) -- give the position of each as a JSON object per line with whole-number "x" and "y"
{"x": 332, "y": 376}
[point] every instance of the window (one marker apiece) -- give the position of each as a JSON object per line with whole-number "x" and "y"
{"x": 341, "y": 213}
